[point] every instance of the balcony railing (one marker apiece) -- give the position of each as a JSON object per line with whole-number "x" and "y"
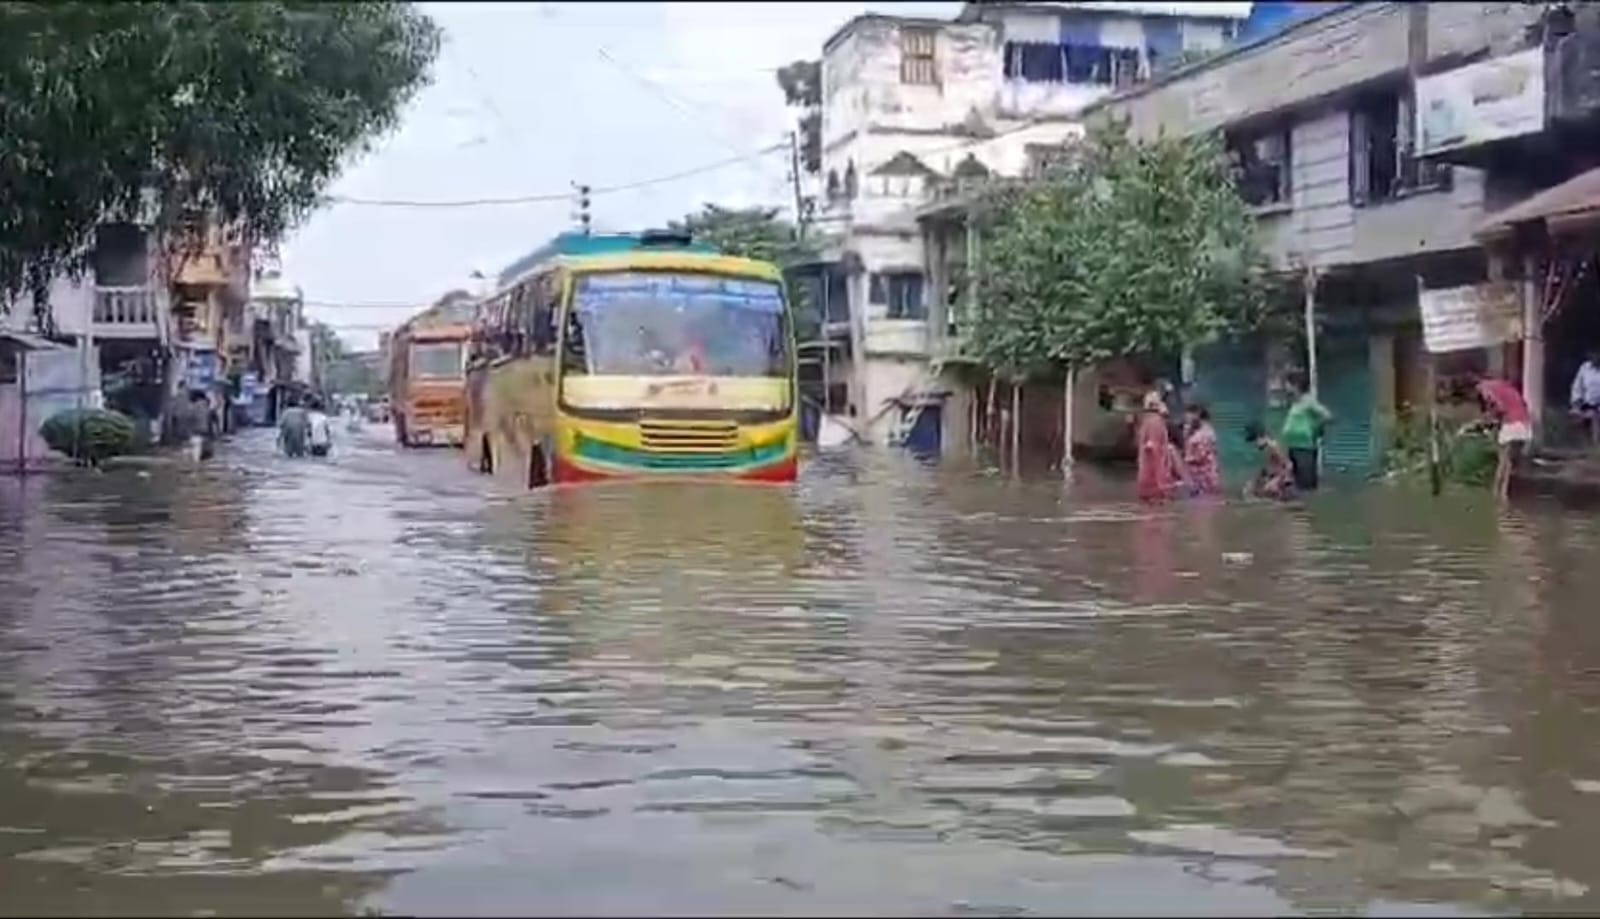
{"x": 129, "y": 312}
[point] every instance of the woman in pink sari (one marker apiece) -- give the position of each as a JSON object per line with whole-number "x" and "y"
{"x": 1156, "y": 471}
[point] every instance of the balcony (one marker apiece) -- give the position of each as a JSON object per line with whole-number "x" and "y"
{"x": 951, "y": 349}
{"x": 130, "y": 313}
{"x": 897, "y": 337}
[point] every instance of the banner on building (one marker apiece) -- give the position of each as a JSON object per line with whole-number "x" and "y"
{"x": 1475, "y": 316}
{"x": 248, "y": 384}
{"x": 1482, "y": 102}
{"x": 201, "y": 369}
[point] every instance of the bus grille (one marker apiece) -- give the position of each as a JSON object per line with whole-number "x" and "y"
{"x": 688, "y": 437}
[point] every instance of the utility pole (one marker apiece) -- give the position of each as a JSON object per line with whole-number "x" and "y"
{"x": 584, "y": 220}
{"x": 794, "y": 176}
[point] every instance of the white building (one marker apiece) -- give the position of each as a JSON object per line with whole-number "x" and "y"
{"x": 909, "y": 104}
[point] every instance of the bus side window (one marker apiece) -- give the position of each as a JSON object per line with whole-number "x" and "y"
{"x": 519, "y": 320}
{"x": 543, "y": 316}
{"x": 574, "y": 352}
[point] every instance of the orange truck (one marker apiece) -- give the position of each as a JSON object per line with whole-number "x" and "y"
{"x": 427, "y": 375}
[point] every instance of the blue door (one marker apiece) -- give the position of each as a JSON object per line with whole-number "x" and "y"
{"x": 1230, "y": 379}
{"x": 923, "y": 438}
{"x": 1346, "y": 388}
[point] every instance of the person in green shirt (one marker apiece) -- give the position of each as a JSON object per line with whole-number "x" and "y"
{"x": 1302, "y": 432}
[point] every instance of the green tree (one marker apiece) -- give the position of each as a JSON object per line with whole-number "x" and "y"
{"x": 160, "y": 111}
{"x": 755, "y": 232}
{"x": 1126, "y": 247}
{"x": 801, "y": 82}
{"x": 759, "y": 233}
{"x": 340, "y": 369}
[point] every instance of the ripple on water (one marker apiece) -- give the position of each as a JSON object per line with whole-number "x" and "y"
{"x": 381, "y": 681}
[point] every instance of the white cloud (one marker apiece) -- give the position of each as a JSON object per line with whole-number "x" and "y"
{"x": 525, "y": 101}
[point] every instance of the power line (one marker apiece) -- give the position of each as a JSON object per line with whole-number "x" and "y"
{"x": 559, "y": 196}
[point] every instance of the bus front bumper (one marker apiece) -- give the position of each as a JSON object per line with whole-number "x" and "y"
{"x": 573, "y": 470}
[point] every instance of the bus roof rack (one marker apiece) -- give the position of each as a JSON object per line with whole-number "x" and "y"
{"x": 651, "y": 239}
{"x": 580, "y": 245}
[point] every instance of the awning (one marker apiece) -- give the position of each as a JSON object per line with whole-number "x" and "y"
{"x": 29, "y": 342}
{"x": 1576, "y": 200}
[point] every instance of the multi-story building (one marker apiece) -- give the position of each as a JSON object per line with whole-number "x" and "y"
{"x": 910, "y": 105}
{"x": 149, "y": 316}
{"x": 1322, "y": 118}
{"x": 270, "y": 349}
{"x": 210, "y": 268}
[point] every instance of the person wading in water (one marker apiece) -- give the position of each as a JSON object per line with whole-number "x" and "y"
{"x": 1302, "y": 433}
{"x": 294, "y": 429}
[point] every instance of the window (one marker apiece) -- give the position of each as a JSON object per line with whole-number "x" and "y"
{"x": 121, "y": 257}
{"x": 901, "y": 291}
{"x": 917, "y": 65}
{"x": 1035, "y": 62}
{"x": 1125, "y": 66}
{"x": 1382, "y": 167}
{"x": 1262, "y": 166}
{"x": 575, "y": 345}
{"x": 1048, "y": 62}
{"x": 668, "y": 323}
{"x": 436, "y": 360}
{"x": 10, "y": 363}
{"x": 545, "y": 297}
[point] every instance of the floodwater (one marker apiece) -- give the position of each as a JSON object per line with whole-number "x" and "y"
{"x": 384, "y": 684}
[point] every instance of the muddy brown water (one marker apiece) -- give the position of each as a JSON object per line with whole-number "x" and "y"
{"x": 381, "y": 683}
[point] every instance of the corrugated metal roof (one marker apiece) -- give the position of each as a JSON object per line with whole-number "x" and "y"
{"x": 1578, "y": 196}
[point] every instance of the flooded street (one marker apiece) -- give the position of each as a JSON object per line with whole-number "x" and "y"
{"x": 382, "y": 683}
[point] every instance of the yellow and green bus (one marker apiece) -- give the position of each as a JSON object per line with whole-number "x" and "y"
{"x": 633, "y": 356}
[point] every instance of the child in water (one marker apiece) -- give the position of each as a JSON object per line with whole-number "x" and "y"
{"x": 1276, "y": 478}
{"x": 1200, "y": 451}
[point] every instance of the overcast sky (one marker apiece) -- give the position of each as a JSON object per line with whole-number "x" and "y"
{"x": 528, "y": 98}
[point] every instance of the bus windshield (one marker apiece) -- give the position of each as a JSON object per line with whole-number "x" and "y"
{"x": 436, "y": 360}
{"x": 662, "y": 323}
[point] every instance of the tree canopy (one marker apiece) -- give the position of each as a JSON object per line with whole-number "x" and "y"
{"x": 756, "y": 232}
{"x": 801, "y": 82}
{"x": 1126, "y": 247}
{"x": 157, "y": 111}
{"x": 344, "y": 371}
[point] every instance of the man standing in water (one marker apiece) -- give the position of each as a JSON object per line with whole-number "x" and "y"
{"x": 1302, "y": 432}
{"x": 294, "y": 427}
{"x": 319, "y": 429}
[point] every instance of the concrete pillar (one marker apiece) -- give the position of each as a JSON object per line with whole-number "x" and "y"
{"x": 1533, "y": 345}
{"x": 1495, "y": 355}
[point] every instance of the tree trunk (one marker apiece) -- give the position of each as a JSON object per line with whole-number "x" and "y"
{"x": 1016, "y": 429}
{"x": 1067, "y": 412}
{"x": 991, "y": 435}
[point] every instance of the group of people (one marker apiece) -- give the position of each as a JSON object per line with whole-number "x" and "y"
{"x": 303, "y": 429}
{"x": 1181, "y": 460}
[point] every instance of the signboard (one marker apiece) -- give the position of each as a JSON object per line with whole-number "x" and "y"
{"x": 247, "y": 389}
{"x": 201, "y": 370}
{"x": 680, "y": 290}
{"x": 1475, "y": 316}
{"x": 1482, "y": 102}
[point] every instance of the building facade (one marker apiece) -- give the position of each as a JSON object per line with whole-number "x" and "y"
{"x": 154, "y": 317}
{"x": 1322, "y": 121}
{"x": 911, "y": 106}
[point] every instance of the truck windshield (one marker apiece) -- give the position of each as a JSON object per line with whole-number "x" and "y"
{"x": 436, "y": 360}
{"x": 638, "y": 323}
